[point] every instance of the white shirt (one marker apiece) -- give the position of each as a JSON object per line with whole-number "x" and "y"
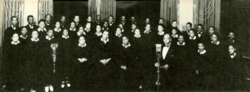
{"x": 165, "y": 51}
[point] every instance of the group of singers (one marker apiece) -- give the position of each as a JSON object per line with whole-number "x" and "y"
{"x": 109, "y": 55}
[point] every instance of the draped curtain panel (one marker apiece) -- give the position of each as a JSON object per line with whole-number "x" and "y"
{"x": 11, "y": 8}
{"x": 169, "y": 11}
{"x": 105, "y": 8}
{"x": 45, "y": 7}
{"x": 207, "y": 12}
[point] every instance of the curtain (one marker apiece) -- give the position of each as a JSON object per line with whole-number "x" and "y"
{"x": 11, "y": 8}
{"x": 45, "y": 7}
{"x": 94, "y": 8}
{"x": 108, "y": 7}
{"x": 170, "y": 11}
{"x": 207, "y": 12}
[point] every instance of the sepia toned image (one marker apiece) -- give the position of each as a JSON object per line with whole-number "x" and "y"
{"x": 116, "y": 45}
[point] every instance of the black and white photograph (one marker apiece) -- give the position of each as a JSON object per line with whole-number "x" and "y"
{"x": 118, "y": 45}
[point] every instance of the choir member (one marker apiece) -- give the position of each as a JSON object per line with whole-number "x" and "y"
{"x": 98, "y": 20}
{"x": 31, "y": 24}
{"x": 186, "y": 31}
{"x": 49, "y": 61}
{"x": 65, "y": 65}
{"x": 126, "y": 64}
{"x": 174, "y": 25}
{"x": 124, "y": 23}
{"x": 133, "y": 27}
{"x": 117, "y": 39}
{"x": 89, "y": 19}
{"x": 24, "y": 35}
{"x": 98, "y": 33}
{"x": 42, "y": 30}
{"x": 211, "y": 31}
{"x": 105, "y": 26}
{"x": 73, "y": 30}
{"x": 161, "y": 22}
{"x": 104, "y": 64}
{"x": 89, "y": 33}
{"x": 111, "y": 25}
{"x": 174, "y": 35}
{"x": 77, "y": 21}
{"x": 168, "y": 64}
{"x": 137, "y": 42}
{"x": 203, "y": 67}
{"x": 81, "y": 65}
{"x": 231, "y": 39}
{"x": 11, "y": 30}
{"x": 160, "y": 34}
{"x": 132, "y": 20}
{"x": 48, "y": 21}
{"x": 200, "y": 33}
{"x": 57, "y": 29}
{"x": 233, "y": 73}
{"x": 192, "y": 42}
{"x": 63, "y": 21}
{"x": 35, "y": 63}
{"x": 13, "y": 64}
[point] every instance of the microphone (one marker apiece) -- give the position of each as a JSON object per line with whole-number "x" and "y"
{"x": 158, "y": 51}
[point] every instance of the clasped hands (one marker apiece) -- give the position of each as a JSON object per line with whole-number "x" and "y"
{"x": 157, "y": 64}
{"x": 82, "y": 60}
{"x": 105, "y": 61}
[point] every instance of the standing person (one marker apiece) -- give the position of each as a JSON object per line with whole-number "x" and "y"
{"x": 31, "y": 24}
{"x": 57, "y": 29}
{"x": 42, "y": 30}
{"x": 35, "y": 63}
{"x": 72, "y": 31}
{"x": 48, "y": 21}
{"x": 98, "y": 33}
{"x": 104, "y": 64}
{"x": 160, "y": 34}
{"x": 201, "y": 34}
{"x": 169, "y": 64}
{"x": 63, "y": 21}
{"x": 81, "y": 65}
{"x": 77, "y": 21}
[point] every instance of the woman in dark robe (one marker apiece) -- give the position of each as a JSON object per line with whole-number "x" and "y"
{"x": 126, "y": 64}
{"x": 81, "y": 65}
{"x": 98, "y": 33}
{"x": 174, "y": 35}
{"x": 65, "y": 65}
{"x": 72, "y": 31}
{"x": 104, "y": 63}
{"x": 13, "y": 63}
{"x": 34, "y": 62}
{"x": 42, "y": 30}
{"x": 160, "y": 34}
{"x": 57, "y": 30}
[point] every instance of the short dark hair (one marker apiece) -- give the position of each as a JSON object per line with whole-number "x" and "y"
{"x": 47, "y": 15}
{"x": 42, "y": 20}
{"x": 200, "y": 25}
{"x": 189, "y": 23}
{"x": 30, "y": 17}
{"x": 174, "y": 21}
{"x": 12, "y": 17}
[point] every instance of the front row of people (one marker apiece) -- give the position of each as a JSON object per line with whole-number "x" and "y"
{"x": 35, "y": 64}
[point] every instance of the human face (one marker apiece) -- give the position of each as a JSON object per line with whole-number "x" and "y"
{"x": 98, "y": 28}
{"x": 137, "y": 32}
{"x": 181, "y": 39}
{"x": 201, "y": 46}
{"x": 34, "y": 34}
{"x": 105, "y": 34}
{"x": 41, "y": 25}
{"x": 231, "y": 49}
{"x": 77, "y": 19}
{"x": 14, "y": 21}
{"x": 148, "y": 27}
{"x": 214, "y": 37}
{"x": 211, "y": 30}
{"x": 50, "y": 33}
{"x": 15, "y": 37}
{"x": 191, "y": 33}
{"x": 48, "y": 17}
{"x": 65, "y": 32}
{"x": 72, "y": 25}
{"x": 160, "y": 28}
{"x": 31, "y": 20}
{"x": 174, "y": 31}
{"x": 124, "y": 40}
{"x": 118, "y": 31}
{"x": 167, "y": 39}
{"x": 174, "y": 24}
{"x": 58, "y": 24}
{"x": 82, "y": 40}
{"x": 24, "y": 31}
{"x": 231, "y": 35}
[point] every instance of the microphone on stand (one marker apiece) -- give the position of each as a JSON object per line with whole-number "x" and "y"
{"x": 158, "y": 57}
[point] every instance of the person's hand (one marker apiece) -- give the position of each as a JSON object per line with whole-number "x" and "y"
{"x": 84, "y": 59}
{"x": 107, "y": 60}
{"x": 157, "y": 64}
{"x": 103, "y": 61}
{"x": 248, "y": 79}
{"x": 123, "y": 67}
{"x": 166, "y": 66}
{"x": 197, "y": 72}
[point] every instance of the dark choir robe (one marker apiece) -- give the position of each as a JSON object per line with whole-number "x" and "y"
{"x": 73, "y": 34}
{"x": 203, "y": 65}
{"x": 168, "y": 77}
{"x": 185, "y": 34}
{"x": 81, "y": 70}
{"x": 97, "y": 22}
{"x": 49, "y": 70}
{"x": 192, "y": 43}
{"x": 159, "y": 38}
{"x": 65, "y": 65}
{"x": 58, "y": 32}
{"x": 104, "y": 77}
{"x": 177, "y": 29}
{"x": 31, "y": 28}
{"x": 97, "y": 36}
{"x": 112, "y": 29}
{"x": 12, "y": 65}
{"x": 35, "y": 67}
{"x": 117, "y": 40}
{"x": 89, "y": 35}
{"x": 48, "y": 24}
{"x": 234, "y": 72}
{"x": 8, "y": 33}
{"x": 77, "y": 25}
{"x": 126, "y": 58}
{"x": 174, "y": 38}
{"x": 201, "y": 37}
{"x": 42, "y": 33}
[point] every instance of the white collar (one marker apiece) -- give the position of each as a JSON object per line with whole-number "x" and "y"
{"x": 202, "y": 52}
{"x": 49, "y": 38}
{"x": 72, "y": 29}
{"x": 137, "y": 36}
{"x": 24, "y": 37}
{"x": 161, "y": 33}
{"x": 147, "y": 31}
{"x": 41, "y": 30}
{"x": 217, "y": 43}
{"x": 126, "y": 46}
{"x": 13, "y": 27}
{"x": 65, "y": 37}
{"x": 87, "y": 29}
{"x": 31, "y": 26}
{"x": 34, "y": 40}
{"x": 57, "y": 29}
{"x": 98, "y": 33}
{"x": 105, "y": 40}
{"x": 178, "y": 43}
{"x": 118, "y": 35}
{"x": 15, "y": 43}
{"x": 84, "y": 45}
{"x": 192, "y": 38}
{"x": 79, "y": 34}
{"x": 175, "y": 36}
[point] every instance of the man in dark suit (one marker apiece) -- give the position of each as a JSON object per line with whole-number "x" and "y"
{"x": 200, "y": 33}
{"x": 31, "y": 24}
{"x": 168, "y": 64}
{"x": 11, "y": 30}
